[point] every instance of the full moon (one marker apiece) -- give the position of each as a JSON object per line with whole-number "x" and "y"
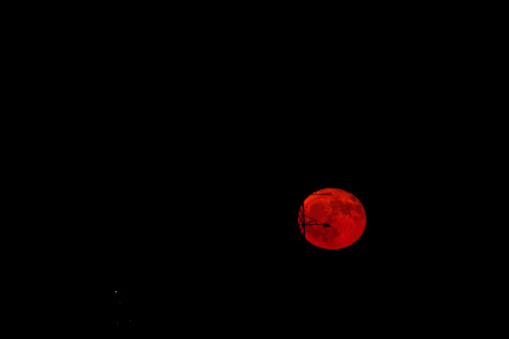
{"x": 332, "y": 219}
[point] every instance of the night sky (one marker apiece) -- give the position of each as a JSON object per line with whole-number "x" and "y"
{"x": 212, "y": 233}
{"x": 220, "y": 239}
{"x": 193, "y": 192}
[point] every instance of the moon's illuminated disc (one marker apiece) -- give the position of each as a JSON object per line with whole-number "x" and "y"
{"x": 336, "y": 208}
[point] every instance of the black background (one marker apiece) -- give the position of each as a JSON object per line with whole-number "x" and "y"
{"x": 198, "y": 216}
{"x": 168, "y": 152}
{"x": 190, "y": 164}
{"x": 205, "y": 224}
{"x": 214, "y": 234}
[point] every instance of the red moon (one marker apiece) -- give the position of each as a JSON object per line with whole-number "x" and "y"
{"x": 332, "y": 219}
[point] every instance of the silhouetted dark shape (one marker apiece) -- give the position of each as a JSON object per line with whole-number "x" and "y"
{"x": 302, "y": 218}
